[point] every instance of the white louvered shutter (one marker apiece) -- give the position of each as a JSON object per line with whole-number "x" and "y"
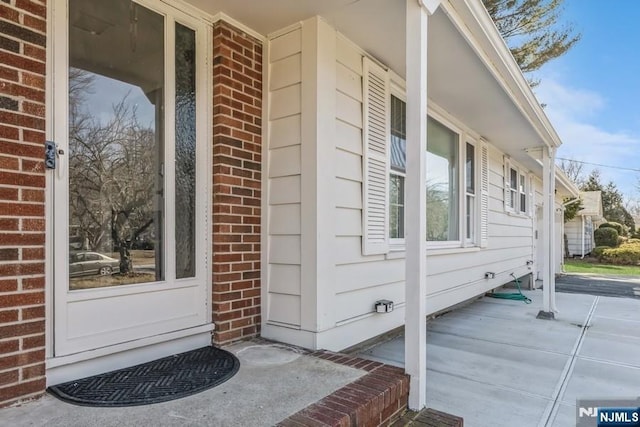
{"x": 507, "y": 185}
{"x": 484, "y": 195}
{"x": 376, "y": 135}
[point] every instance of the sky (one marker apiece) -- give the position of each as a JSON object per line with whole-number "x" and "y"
{"x": 593, "y": 91}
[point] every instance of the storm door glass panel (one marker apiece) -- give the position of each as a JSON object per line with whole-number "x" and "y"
{"x": 116, "y": 144}
{"x": 185, "y": 151}
{"x": 442, "y": 183}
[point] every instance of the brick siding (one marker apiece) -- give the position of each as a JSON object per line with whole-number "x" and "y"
{"x": 237, "y": 157}
{"x": 22, "y": 181}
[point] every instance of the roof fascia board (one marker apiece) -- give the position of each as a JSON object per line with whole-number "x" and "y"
{"x": 523, "y": 97}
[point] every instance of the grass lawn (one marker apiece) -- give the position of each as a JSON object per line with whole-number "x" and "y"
{"x": 583, "y": 266}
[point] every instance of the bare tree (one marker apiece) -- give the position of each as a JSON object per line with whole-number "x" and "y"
{"x": 112, "y": 176}
{"x": 574, "y": 171}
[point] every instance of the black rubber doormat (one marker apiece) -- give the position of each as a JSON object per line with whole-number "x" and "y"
{"x": 157, "y": 381}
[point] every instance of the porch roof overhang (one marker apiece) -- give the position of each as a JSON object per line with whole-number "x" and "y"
{"x": 471, "y": 73}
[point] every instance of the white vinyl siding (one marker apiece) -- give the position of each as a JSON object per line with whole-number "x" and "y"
{"x": 347, "y": 288}
{"x": 284, "y": 180}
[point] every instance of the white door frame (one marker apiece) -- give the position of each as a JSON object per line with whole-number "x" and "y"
{"x": 194, "y": 332}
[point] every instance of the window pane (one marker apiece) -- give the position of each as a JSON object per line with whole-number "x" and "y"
{"x": 116, "y": 97}
{"x": 523, "y": 194}
{"x": 398, "y": 135}
{"x": 514, "y": 179}
{"x": 470, "y": 169}
{"x": 442, "y": 183}
{"x": 396, "y": 207}
{"x": 469, "y": 222}
{"x": 185, "y": 232}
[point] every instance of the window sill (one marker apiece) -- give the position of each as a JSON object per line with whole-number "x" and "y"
{"x": 399, "y": 252}
{"x": 518, "y": 215}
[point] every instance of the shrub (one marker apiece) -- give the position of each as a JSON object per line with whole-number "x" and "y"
{"x": 615, "y": 225}
{"x": 598, "y": 250}
{"x": 633, "y": 241}
{"x": 606, "y": 236}
{"x": 624, "y": 255}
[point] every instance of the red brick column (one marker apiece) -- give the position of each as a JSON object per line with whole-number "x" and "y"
{"x": 237, "y": 147}
{"x": 22, "y": 181}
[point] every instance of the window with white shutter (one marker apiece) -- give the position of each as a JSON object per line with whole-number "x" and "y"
{"x": 376, "y": 134}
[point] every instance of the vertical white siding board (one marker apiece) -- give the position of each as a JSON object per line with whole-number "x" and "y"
{"x": 285, "y": 72}
{"x": 285, "y": 45}
{"x": 285, "y": 190}
{"x": 349, "y": 109}
{"x": 348, "y": 194}
{"x": 284, "y": 161}
{"x": 348, "y": 222}
{"x": 284, "y": 132}
{"x": 284, "y": 249}
{"x": 349, "y": 82}
{"x": 353, "y": 304}
{"x": 285, "y": 279}
{"x": 285, "y": 102}
{"x": 348, "y": 250}
{"x": 284, "y": 219}
{"x": 348, "y": 137}
{"x": 348, "y": 165}
{"x": 347, "y": 55}
{"x": 285, "y": 308}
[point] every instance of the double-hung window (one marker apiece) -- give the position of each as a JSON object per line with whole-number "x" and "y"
{"x": 516, "y": 190}
{"x": 452, "y": 193}
{"x": 456, "y": 175}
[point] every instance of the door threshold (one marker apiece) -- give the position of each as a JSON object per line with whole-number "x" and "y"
{"x": 79, "y": 365}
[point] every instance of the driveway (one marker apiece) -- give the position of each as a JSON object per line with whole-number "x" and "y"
{"x": 493, "y": 363}
{"x": 611, "y": 286}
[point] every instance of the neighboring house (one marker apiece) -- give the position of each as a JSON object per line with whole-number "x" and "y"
{"x": 579, "y": 231}
{"x": 280, "y": 153}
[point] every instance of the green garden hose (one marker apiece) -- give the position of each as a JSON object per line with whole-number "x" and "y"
{"x": 516, "y": 296}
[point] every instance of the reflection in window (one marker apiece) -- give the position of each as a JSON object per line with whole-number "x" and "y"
{"x": 470, "y": 200}
{"x": 116, "y": 190}
{"x": 398, "y": 168}
{"x": 442, "y": 183}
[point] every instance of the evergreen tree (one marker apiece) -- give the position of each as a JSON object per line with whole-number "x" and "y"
{"x": 532, "y": 30}
{"x": 612, "y": 200}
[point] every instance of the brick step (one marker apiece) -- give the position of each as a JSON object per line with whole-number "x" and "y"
{"x": 428, "y": 418}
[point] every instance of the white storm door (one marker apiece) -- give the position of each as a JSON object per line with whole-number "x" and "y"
{"x": 131, "y": 185}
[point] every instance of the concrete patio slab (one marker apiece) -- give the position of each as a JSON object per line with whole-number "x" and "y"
{"x": 564, "y": 416}
{"x": 273, "y": 382}
{"x": 481, "y": 404}
{"x": 594, "y": 379}
{"x": 612, "y": 348}
{"x": 493, "y": 363}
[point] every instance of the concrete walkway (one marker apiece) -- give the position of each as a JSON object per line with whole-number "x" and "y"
{"x": 273, "y": 382}
{"x": 494, "y": 364}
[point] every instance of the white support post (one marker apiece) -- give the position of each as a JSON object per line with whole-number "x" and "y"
{"x": 548, "y": 234}
{"x": 415, "y": 339}
{"x": 552, "y": 230}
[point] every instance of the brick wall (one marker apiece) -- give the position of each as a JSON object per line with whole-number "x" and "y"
{"x": 237, "y": 147}
{"x": 22, "y": 181}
